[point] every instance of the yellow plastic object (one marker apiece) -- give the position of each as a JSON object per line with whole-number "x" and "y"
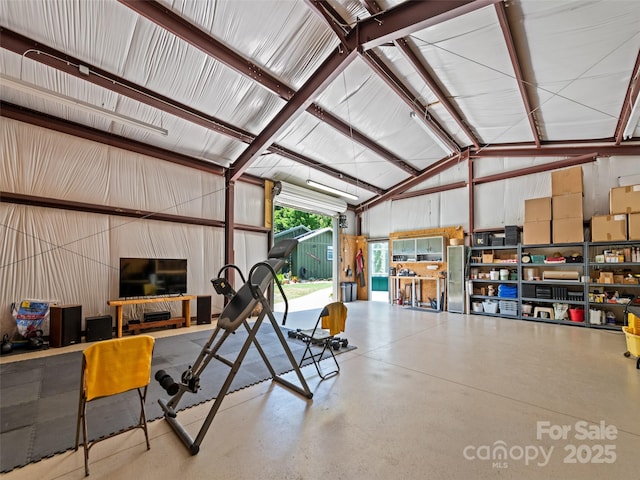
{"x": 336, "y": 320}
{"x": 634, "y": 323}
{"x": 633, "y": 342}
{"x": 118, "y": 365}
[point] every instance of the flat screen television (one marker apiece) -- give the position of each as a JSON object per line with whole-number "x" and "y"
{"x": 146, "y": 277}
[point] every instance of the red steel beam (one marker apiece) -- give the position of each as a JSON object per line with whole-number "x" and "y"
{"x": 229, "y": 220}
{"x": 472, "y": 198}
{"x": 56, "y": 59}
{"x": 545, "y": 167}
{"x": 604, "y": 149}
{"x": 70, "y": 128}
{"x": 403, "y": 46}
{"x": 402, "y": 20}
{"x": 51, "y": 57}
{"x": 407, "y": 96}
{"x": 630, "y": 99}
{"x": 410, "y": 17}
{"x": 515, "y": 62}
{"x": 325, "y": 10}
{"x": 429, "y": 191}
{"x": 412, "y": 58}
{"x": 326, "y": 73}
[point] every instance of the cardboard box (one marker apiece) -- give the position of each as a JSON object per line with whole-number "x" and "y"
{"x": 537, "y": 209}
{"x": 568, "y": 180}
{"x": 567, "y": 206}
{"x": 537, "y": 233}
{"x": 624, "y": 200}
{"x": 568, "y": 230}
{"x": 607, "y": 228}
{"x": 605, "y": 277}
{"x": 633, "y": 224}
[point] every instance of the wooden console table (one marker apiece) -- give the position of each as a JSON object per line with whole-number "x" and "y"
{"x": 186, "y": 311}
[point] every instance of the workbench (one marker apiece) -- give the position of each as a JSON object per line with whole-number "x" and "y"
{"x": 416, "y": 293}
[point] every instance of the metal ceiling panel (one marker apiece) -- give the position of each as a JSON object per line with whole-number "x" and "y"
{"x": 158, "y": 60}
{"x": 284, "y": 37}
{"x": 203, "y": 143}
{"x": 423, "y": 96}
{"x": 577, "y": 58}
{"x": 317, "y": 140}
{"x": 469, "y": 57}
{"x": 582, "y": 54}
{"x": 99, "y": 31}
{"x": 363, "y": 100}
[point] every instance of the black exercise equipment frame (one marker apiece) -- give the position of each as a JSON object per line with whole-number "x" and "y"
{"x": 236, "y": 313}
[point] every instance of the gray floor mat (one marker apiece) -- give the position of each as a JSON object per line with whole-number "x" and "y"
{"x": 40, "y": 396}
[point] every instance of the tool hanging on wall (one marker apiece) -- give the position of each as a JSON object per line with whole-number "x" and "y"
{"x": 360, "y": 268}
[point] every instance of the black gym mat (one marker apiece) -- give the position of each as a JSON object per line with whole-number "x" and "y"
{"x": 39, "y": 397}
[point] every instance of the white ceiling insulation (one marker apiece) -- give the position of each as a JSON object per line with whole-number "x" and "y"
{"x": 291, "y": 90}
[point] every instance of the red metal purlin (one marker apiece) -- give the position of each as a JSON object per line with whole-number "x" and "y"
{"x": 326, "y": 73}
{"x": 53, "y": 58}
{"x": 404, "y": 47}
{"x": 402, "y": 91}
{"x": 630, "y": 98}
{"x": 515, "y": 62}
{"x": 545, "y": 167}
{"x": 429, "y": 191}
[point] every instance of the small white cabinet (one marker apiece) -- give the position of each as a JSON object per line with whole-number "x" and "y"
{"x": 421, "y": 249}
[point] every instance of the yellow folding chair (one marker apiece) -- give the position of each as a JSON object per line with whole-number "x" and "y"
{"x": 331, "y": 321}
{"x": 109, "y": 368}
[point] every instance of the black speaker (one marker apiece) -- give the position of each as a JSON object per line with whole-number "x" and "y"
{"x": 65, "y": 325}
{"x": 203, "y": 312}
{"x": 98, "y": 328}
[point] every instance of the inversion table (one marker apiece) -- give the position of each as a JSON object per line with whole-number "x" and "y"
{"x": 235, "y": 313}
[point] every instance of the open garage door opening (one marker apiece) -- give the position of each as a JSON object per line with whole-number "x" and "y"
{"x": 308, "y": 278}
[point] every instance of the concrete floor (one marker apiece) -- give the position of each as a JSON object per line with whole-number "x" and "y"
{"x": 425, "y": 395}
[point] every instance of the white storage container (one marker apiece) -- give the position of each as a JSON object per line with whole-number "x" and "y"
{"x": 490, "y": 306}
{"x": 596, "y": 316}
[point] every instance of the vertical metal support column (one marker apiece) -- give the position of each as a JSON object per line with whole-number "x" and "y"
{"x": 229, "y": 223}
{"x": 471, "y": 197}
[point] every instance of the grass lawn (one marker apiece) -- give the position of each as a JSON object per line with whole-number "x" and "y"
{"x": 300, "y": 289}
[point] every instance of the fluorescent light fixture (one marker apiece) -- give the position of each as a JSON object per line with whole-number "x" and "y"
{"x": 436, "y": 138}
{"x": 30, "y": 88}
{"x": 632, "y": 123}
{"x": 329, "y": 189}
{"x": 308, "y": 200}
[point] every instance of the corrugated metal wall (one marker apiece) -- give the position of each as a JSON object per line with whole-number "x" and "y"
{"x": 310, "y": 259}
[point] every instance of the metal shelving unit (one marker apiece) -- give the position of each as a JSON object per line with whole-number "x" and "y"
{"x": 627, "y": 290}
{"x": 577, "y": 293}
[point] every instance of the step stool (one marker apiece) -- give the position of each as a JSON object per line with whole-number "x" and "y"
{"x": 537, "y": 310}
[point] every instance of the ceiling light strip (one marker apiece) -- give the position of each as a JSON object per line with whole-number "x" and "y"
{"x": 30, "y": 88}
{"x": 436, "y": 138}
{"x": 329, "y": 189}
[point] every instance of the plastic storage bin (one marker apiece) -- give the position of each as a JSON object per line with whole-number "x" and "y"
{"x": 509, "y": 307}
{"x": 490, "y": 306}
